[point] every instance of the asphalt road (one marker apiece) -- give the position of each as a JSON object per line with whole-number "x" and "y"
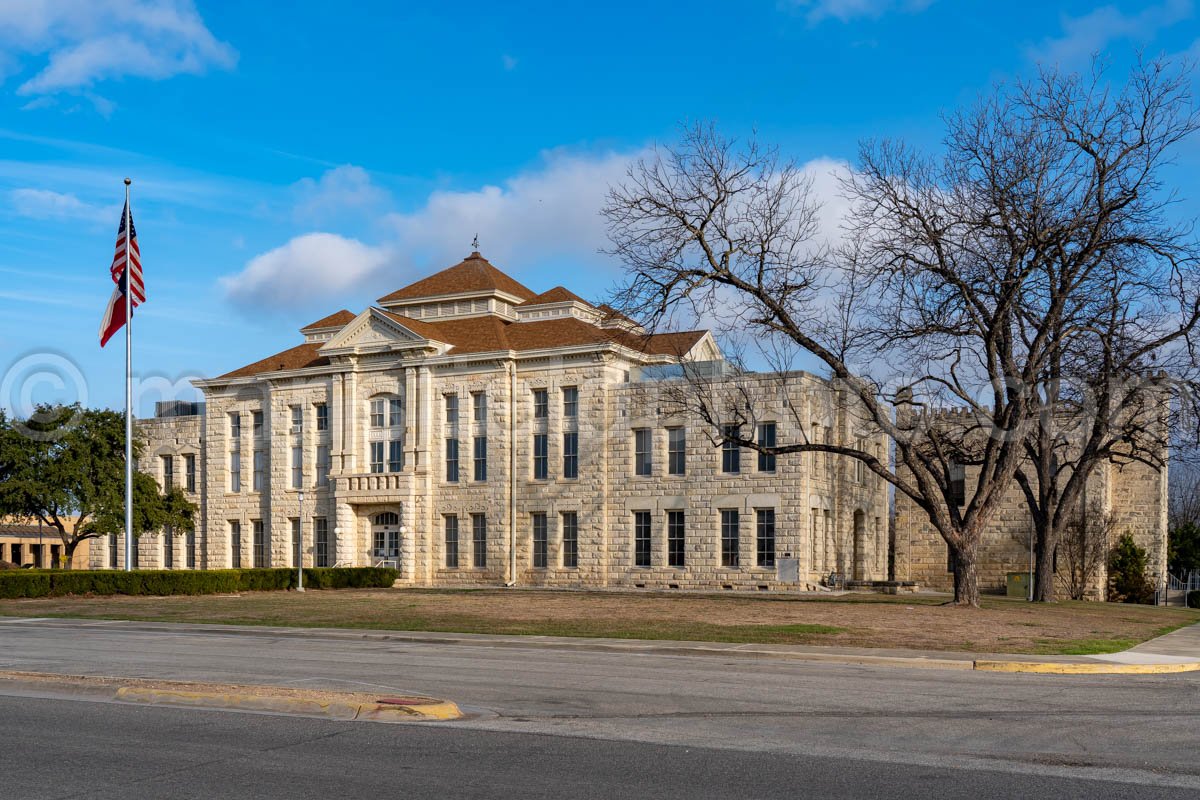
{"x": 585, "y": 724}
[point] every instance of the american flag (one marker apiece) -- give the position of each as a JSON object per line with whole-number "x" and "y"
{"x": 114, "y": 315}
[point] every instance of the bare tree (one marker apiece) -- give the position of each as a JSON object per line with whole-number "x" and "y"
{"x": 1083, "y": 549}
{"x": 957, "y": 284}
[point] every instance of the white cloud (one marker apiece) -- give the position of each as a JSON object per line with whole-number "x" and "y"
{"x": 509, "y": 62}
{"x": 88, "y": 41}
{"x": 45, "y": 204}
{"x": 1089, "y": 35}
{"x": 846, "y": 10}
{"x": 304, "y": 271}
{"x": 339, "y": 190}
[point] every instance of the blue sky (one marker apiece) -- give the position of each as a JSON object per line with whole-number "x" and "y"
{"x": 288, "y": 164}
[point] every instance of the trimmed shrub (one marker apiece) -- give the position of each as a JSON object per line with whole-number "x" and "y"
{"x": 55, "y": 583}
{"x": 1127, "y": 581}
{"x": 1193, "y": 599}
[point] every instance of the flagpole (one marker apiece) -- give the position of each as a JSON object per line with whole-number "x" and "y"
{"x": 128, "y": 390}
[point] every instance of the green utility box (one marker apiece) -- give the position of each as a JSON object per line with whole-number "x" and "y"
{"x": 1018, "y": 584}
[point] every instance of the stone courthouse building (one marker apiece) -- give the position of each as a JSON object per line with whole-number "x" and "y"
{"x": 472, "y": 431}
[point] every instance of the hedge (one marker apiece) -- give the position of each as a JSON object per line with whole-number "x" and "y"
{"x": 1193, "y": 599}
{"x": 159, "y": 582}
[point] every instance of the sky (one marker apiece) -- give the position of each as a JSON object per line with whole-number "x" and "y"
{"x": 287, "y": 165}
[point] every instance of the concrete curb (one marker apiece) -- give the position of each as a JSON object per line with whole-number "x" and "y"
{"x": 1050, "y": 668}
{"x": 238, "y": 698}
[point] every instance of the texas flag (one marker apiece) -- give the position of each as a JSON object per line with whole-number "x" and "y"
{"x": 114, "y": 315}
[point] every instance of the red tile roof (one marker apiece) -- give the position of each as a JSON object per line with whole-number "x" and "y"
{"x": 558, "y": 294}
{"x": 298, "y": 357}
{"x": 472, "y": 274}
{"x": 337, "y": 319}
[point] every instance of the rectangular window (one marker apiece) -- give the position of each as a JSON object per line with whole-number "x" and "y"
{"x": 676, "y": 539}
{"x": 168, "y": 465}
{"x": 541, "y": 404}
{"x": 766, "y": 438}
{"x": 452, "y": 411}
{"x": 479, "y": 406}
{"x": 378, "y": 412}
{"x": 113, "y": 549}
{"x": 571, "y": 455}
{"x": 297, "y": 467}
{"x": 480, "y": 458}
{"x": 451, "y": 542}
{"x": 730, "y": 532}
{"x": 395, "y": 455}
{"x": 260, "y": 470}
{"x": 376, "y": 456}
{"x": 570, "y": 539}
{"x": 256, "y": 418}
{"x": 395, "y": 413}
{"x": 297, "y": 419}
{"x": 570, "y": 402}
{"x": 260, "y": 544}
{"x": 235, "y": 471}
{"x": 321, "y": 541}
{"x": 643, "y": 451}
{"x": 168, "y": 548}
{"x": 452, "y": 460}
{"x": 322, "y": 417}
{"x": 765, "y": 544}
{"x": 235, "y": 426}
{"x": 958, "y": 483}
{"x": 479, "y": 540}
{"x": 190, "y": 542}
{"x": 860, "y": 467}
{"x": 323, "y": 465}
{"x": 541, "y": 456}
{"x": 731, "y": 454}
{"x": 676, "y": 451}
{"x": 189, "y": 472}
{"x": 235, "y": 544}
{"x": 642, "y": 522}
{"x": 813, "y": 538}
{"x": 540, "y": 541}
{"x": 297, "y": 542}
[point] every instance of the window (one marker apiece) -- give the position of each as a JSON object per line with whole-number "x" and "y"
{"x": 540, "y": 541}
{"x": 297, "y": 542}
{"x": 189, "y": 472}
{"x": 256, "y": 418}
{"x": 378, "y": 412}
{"x": 395, "y": 413}
{"x": 812, "y": 537}
{"x": 190, "y": 542}
{"x": 297, "y": 467}
{"x": 730, "y": 531}
{"x": 765, "y": 545}
{"x": 571, "y": 455}
{"x": 323, "y": 464}
{"x": 260, "y": 544}
{"x": 479, "y": 540}
{"x": 675, "y": 539}
{"x": 235, "y": 471}
{"x": 260, "y": 470}
{"x": 570, "y": 539}
{"x": 452, "y": 460}
{"x": 452, "y": 411}
{"x": 479, "y": 406}
{"x": 570, "y": 402}
{"x": 235, "y": 544}
{"x": 541, "y": 456}
{"x": 641, "y": 538}
{"x": 168, "y": 468}
{"x": 113, "y": 548}
{"x": 860, "y": 467}
{"x": 643, "y": 455}
{"x": 395, "y": 455}
{"x": 322, "y": 417}
{"x": 451, "y": 542}
{"x": 541, "y": 404}
{"x": 321, "y": 541}
{"x": 376, "y": 456}
{"x": 386, "y": 412}
{"x": 297, "y": 419}
{"x": 676, "y": 451}
{"x": 235, "y": 426}
{"x": 480, "y": 458}
{"x": 766, "y": 438}
{"x": 731, "y": 454}
{"x": 168, "y": 547}
{"x": 958, "y": 483}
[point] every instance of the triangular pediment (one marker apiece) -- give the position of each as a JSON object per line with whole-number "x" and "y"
{"x": 373, "y": 331}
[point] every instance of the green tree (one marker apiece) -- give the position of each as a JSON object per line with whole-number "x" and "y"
{"x": 1127, "y": 581}
{"x": 65, "y": 466}
{"x": 1183, "y": 548}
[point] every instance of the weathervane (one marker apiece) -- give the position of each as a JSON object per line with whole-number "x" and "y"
{"x": 475, "y": 243}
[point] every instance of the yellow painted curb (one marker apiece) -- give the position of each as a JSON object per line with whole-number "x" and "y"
{"x": 1052, "y": 668}
{"x": 376, "y": 712}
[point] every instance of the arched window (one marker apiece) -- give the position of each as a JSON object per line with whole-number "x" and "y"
{"x": 386, "y": 518}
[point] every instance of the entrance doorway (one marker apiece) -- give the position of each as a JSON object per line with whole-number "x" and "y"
{"x": 385, "y": 539}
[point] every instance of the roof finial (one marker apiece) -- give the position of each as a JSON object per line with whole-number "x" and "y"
{"x": 475, "y": 243}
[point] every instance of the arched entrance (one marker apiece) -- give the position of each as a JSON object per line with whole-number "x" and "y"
{"x": 385, "y": 539}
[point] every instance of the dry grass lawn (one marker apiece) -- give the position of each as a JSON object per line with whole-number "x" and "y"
{"x": 856, "y": 620}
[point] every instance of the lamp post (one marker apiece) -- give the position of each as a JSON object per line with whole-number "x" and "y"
{"x": 300, "y": 546}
